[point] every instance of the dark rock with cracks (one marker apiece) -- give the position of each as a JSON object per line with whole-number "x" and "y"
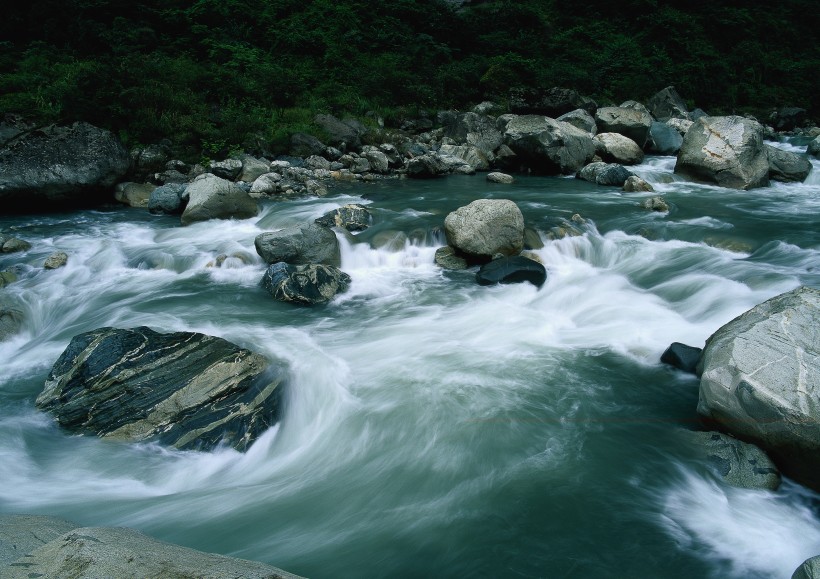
{"x": 548, "y": 146}
{"x": 182, "y": 389}
{"x": 305, "y": 285}
{"x": 353, "y": 217}
{"x": 515, "y": 269}
{"x": 606, "y": 174}
{"x": 667, "y": 104}
{"x": 787, "y": 166}
{"x": 299, "y": 245}
{"x": 682, "y": 357}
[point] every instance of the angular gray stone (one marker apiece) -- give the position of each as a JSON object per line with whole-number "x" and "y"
{"x": 813, "y": 148}
{"x": 352, "y": 217}
{"x": 682, "y": 357}
{"x": 727, "y": 151}
{"x": 486, "y": 227}
{"x": 760, "y": 381}
{"x": 635, "y": 184}
{"x": 228, "y": 169}
{"x": 469, "y": 154}
{"x": 475, "y": 130}
{"x": 252, "y": 169}
{"x": 738, "y": 463}
{"x": 299, "y": 245}
{"x": 183, "y": 389}
{"x": 617, "y": 148}
{"x": 666, "y": 104}
{"x": 55, "y": 260}
{"x": 266, "y": 185}
{"x": 655, "y": 204}
{"x": 427, "y": 166}
{"x": 787, "y": 166}
{"x": 305, "y": 285}
{"x": 632, "y": 123}
{"x": 680, "y": 125}
{"x": 548, "y": 146}
{"x": 213, "y": 198}
{"x": 99, "y": 552}
{"x": 304, "y": 145}
{"x": 580, "y": 119}
{"x": 379, "y": 162}
{"x": 22, "y": 534}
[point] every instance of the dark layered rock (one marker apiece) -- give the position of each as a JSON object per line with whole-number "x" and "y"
{"x": 346, "y": 135}
{"x": 788, "y": 118}
{"x": 552, "y": 102}
{"x": 475, "y": 130}
{"x": 548, "y": 146}
{"x": 60, "y": 166}
{"x": 616, "y": 148}
{"x": 760, "y": 380}
{"x": 606, "y": 174}
{"x": 352, "y": 217}
{"x": 738, "y": 463}
{"x": 299, "y": 245}
{"x": 227, "y": 169}
{"x": 663, "y": 139}
{"x": 682, "y": 357}
{"x": 485, "y": 228}
{"x": 468, "y": 154}
{"x": 514, "y": 269}
{"x": 304, "y": 145}
{"x": 168, "y": 199}
{"x": 787, "y": 166}
{"x": 632, "y": 123}
{"x": 183, "y": 389}
{"x": 427, "y": 166}
{"x": 211, "y": 197}
{"x": 728, "y": 151}
{"x": 667, "y": 104}
{"x": 306, "y": 285}
{"x": 92, "y": 552}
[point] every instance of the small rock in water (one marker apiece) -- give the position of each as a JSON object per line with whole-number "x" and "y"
{"x": 7, "y": 277}
{"x": 353, "y": 217}
{"x": 305, "y": 284}
{"x": 635, "y": 184}
{"x": 10, "y": 244}
{"x": 497, "y": 177}
{"x": 682, "y": 357}
{"x": 55, "y": 260}
{"x": 516, "y": 269}
{"x": 655, "y": 204}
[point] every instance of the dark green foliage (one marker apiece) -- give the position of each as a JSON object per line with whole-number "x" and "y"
{"x": 228, "y": 71}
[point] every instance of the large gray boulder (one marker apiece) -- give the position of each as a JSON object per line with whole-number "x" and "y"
{"x": 664, "y": 139}
{"x": 474, "y": 130}
{"x": 787, "y": 166}
{"x": 427, "y": 166}
{"x": 210, "y": 197}
{"x": 630, "y": 122}
{"x": 169, "y": 199}
{"x": 606, "y": 174}
{"x": 486, "y": 228}
{"x": 97, "y": 552}
{"x": 616, "y": 148}
{"x": 60, "y": 166}
{"x": 183, "y": 389}
{"x": 352, "y": 217}
{"x": 667, "y": 104}
{"x": 305, "y": 285}
{"x": 727, "y": 151}
{"x": 301, "y": 244}
{"x": 580, "y": 119}
{"x": 738, "y": 463}
{"x": 810, "y": 569}
{"x": 760, "y": 381}
{"x": 472, "y": 156}
{"x": 548, "y": 146}
{"x": 22, "y": 534}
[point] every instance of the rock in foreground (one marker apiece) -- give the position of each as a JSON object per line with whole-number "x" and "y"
{"x": 760, "y": 381}
{"x": 305, "y": 285}
{"x": 184, "y": 389}
{"x": 299, "y": 245}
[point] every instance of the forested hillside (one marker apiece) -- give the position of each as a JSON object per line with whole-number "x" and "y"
{"x": 208, "y": 73}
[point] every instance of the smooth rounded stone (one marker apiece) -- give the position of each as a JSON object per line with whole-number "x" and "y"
{"x": 252, "y": 169}
{"x": 56, "y": 260}
{"x": 486, "y": 227}
{"x": 664, "y": 139}
{"x": 10, "y": 244}
{"x": 11, "y": 321}
{"x": 666, "y": 104}
{"x": 760, "y": 381}
{"x": 580, "y": 119}
{"x": 682, "y": 357}
{"x": 548, "y": 146}
{"x": 211, "y": 197}
{"x": 134, "y": 194}
{"x": 635, "y": 184}
{"x": 619, "y": 149}
{"x": 606, "y": 174}
{"x": 168, "y": 199}
{"x": 22, "y": 534}
{"x": 532, "y": 239}
{"x": 469, "y": 154}
{"x": 353, "y": 217}
{"x": 183, "y": 389}
{"x": 813, "y": 148}
{"x": 299, "y": 245}
{"x": 95, "y": 552}
{"x": 738, "y": 463}
{"x": 228, "y": 169}
{"x": 447, "y": 258}
{"x": 7, "y": 277}
{"x": 809, "y": 569}
{"x": 515, "y": 269}
{"x": 304, "y": 284}
{"x": 497, "y": 177}
{"x": 58, "y": 166}
{"x": 632, "y": 123}
{"x": 655, "y": 204}
{"x": 787, "y": 166}
{"x": 727, "y": 151}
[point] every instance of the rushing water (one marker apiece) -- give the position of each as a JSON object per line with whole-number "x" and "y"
{"x": 433, "y": 427}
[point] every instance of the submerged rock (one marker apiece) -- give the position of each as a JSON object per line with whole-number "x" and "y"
{"x": 635, "y": 184}
{"x": 738, "y": 463}
{"x": 486, "y": 227}
{"x": 9, "y": 244}
{"x": 515, "y": 269}
{"x": 658, "y": 204}
{"x": 11, "y": 320}
{"x": 606, "y": 174}
{"x": 184, "y": 389}
{"x": 760, "y": 381}
{"x": 305, "y": 284}
{"x": 299, "y": 245}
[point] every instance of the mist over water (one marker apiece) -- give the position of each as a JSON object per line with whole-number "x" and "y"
{"x": 432, "y": 427}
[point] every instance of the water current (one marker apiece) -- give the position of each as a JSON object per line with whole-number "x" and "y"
{"x": 432, "y": 427}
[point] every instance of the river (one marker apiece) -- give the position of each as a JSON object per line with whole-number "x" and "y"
{"x": 432, "y": 426}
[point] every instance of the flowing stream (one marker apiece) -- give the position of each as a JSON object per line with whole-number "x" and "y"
{"x": 432, "y": 427}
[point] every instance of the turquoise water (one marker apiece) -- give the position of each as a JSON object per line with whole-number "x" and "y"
{"x": 433, "y": 427}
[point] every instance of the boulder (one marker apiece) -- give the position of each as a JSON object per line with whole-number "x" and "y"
{"x": 307, "y": 285}
{"x": 353, "y": 217}
{"x": 680, "y": 125}
{"x": 739, "y": 464}
{"x": 515, "y": 269}
{"x": 580, "y": 119}
{"x": 552, "y": 102}
{"x": 252, "y": 169}
{"x": 813, "y": 147}
{"x": 22, "y": 534}
{"x": 379, "y": 161}
{"x": 266, "y": 185}
{"x": 213, "y": 198}
{"x": 11, "y": 320}
{"x": 9, "y": 244}
{"x": 301, "y": 244}
{"x": 184, "y": 389}
{"x": 664, "y": 139}
{"x": 304, "y": 145}
{"x": 169, "y": 199}
{"x": 548, "y": 146}
{"x": 474, "y": 130}
{"x": 727, "y": 151}
{"x": 636, "y": 106}
{"x": 810, "y": 569}
{"x": 134, "y": 194}
{"x": 606, "y": 174}
{"x": 485, "y": 228}
{"x": 145, "y": 161}
{"x": 658, "y": 204}
{"x": 787, "y": 166}
{"x": 632, "y": 123}
{"x": 760, "y": 381}
{"x": 447, "y": 258}
{"x": 56, "y": 260}
{"x": 532, "y": 239}
{"x": 503, "y": 178}
{"x": 60, "y": 166}
{"x": 345, "y": 135}
{"x": 468, "y": 154}
{"x": 427, "y": 166}
{"x": 635, "y": 184}
{"x": 788, "y": 118}
{"x": 682, "y": 357}
{"x": 92, "y": 552}
{"x": 667, "y": 104}
{"x": 228, "y": 169}
{"x": 616, "y": 148}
